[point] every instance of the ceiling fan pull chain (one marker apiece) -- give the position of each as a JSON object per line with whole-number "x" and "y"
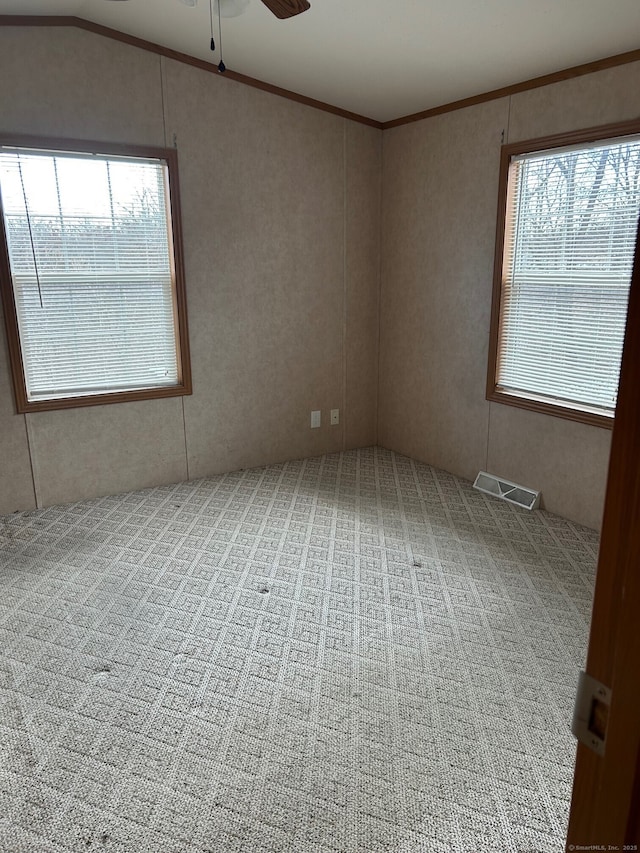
{"x": 221, "y": 66}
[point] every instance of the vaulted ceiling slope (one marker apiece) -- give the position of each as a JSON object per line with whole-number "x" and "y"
{"x": 382, "y": 59}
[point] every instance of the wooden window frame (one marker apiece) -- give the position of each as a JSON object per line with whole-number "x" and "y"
{"x": 569, "y": 411}
{"x": 184, "y": 385}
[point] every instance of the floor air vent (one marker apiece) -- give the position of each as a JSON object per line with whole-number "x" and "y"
{"x": 512, "y": 492}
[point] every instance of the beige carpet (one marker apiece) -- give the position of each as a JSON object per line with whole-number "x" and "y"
{"x": 348, "y": 654}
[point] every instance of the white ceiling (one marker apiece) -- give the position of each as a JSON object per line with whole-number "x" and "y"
{"x": 380, "y": 58}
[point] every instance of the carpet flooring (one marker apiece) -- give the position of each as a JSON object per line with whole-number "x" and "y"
{"x": 353, "y": 653}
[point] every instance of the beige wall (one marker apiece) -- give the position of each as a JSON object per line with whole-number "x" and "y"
{"x": 280, "y": 209}
{"x": 439, "y": 215}
{"x": 282, "y": 221}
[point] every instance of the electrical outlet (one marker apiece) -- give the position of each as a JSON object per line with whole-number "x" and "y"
{"x": 315, "y": 420}
{"x": 335, "y": 416}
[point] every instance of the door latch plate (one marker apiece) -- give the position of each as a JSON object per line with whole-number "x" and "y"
{"x": 591, "y": 713}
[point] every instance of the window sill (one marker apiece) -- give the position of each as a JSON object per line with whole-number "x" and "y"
{"x": 556, "y": 410}
{"x": 24, "y": 406}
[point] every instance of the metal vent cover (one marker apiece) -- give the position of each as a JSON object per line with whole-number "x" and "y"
{"x": 507, "y": 491}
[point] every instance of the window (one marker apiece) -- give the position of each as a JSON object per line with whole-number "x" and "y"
{"x": 567, "y": 222}
{"x": 91, "y": 264}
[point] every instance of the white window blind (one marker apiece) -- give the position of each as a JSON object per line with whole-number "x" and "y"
{"x": 91, "y": 261}
{"x": 569, "y": 241}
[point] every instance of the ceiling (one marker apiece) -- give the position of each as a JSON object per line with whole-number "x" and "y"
{"x": 382, "y": 59}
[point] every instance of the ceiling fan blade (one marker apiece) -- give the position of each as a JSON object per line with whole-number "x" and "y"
{"x": 286, "y": 8}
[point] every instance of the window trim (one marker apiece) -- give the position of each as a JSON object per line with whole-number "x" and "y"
{"x": 570, "y": 411}
{"x": 181, "y": 329}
